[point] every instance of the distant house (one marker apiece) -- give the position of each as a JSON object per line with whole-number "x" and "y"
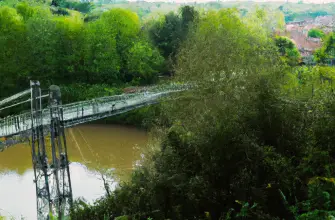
{"x": 298, "y": 33}
{"x": 326, "y": 23}
{"x": 302, "y": 41}
{"x": 326, "y": 20}
{"x": 299, "y": 23}
{"x": 308, "y": 27}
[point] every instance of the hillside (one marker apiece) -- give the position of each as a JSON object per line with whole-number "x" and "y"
{"x": 292, "y": 11}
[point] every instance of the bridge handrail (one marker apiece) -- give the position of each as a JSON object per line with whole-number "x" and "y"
{"x": 117, "y": 97}
{"x": 86, "y": 103}
{"x": 82, "y": 109}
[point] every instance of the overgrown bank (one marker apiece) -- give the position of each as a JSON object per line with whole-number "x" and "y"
{"x": 254, "y": 140}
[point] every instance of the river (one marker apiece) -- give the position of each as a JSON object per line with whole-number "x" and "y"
{"x": 91, "y": 148}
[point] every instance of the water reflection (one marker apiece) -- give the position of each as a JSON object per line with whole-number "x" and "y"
{"x": 91, "y": 148}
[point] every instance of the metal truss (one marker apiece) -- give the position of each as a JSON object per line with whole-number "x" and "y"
{"x": 52, "y": 179}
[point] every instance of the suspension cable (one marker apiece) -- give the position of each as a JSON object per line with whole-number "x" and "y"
{"x": 19, "y": 103}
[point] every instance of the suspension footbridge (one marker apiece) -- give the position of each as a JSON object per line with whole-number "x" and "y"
{"x": 52, "y": 175}
{"x": 16, "y": 128}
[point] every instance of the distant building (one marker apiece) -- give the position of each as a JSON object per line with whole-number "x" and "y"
{"x": 308, "y": 27}
{"x": 299, "y": 23}
{"x": 327, "y": 20}
{"x": 298, "y": 32}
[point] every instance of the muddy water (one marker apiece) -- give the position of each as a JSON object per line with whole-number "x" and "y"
{"x": 91, "y": 149}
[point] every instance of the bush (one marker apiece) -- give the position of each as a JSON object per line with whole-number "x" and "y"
{"x": 316, "y": 33}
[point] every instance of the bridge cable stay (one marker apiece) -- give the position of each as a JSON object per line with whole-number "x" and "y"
{"x": 53, "y": 182}
{"x": 14, "y": 124}
{"x": 14, "y": 97}
{"x": 22, "y": 102}
{"x": 10, "y": 122}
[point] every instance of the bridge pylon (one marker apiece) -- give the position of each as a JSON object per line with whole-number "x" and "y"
{"x": 39, "y": 155}
{"x": 52, "y": 179}
{"x": 62, "y": 189}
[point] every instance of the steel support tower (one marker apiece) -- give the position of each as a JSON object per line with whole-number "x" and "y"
{"x": 62, "y": 189}
{"x": 53, "y": 183}
{"x": 39, "y": 156}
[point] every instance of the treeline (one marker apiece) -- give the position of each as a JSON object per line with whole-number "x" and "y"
{"x": 114, "y": 50}
{"x": 295, "y": 16}
{"x": 63, "y": 49}
{"x": 253, "y": 140}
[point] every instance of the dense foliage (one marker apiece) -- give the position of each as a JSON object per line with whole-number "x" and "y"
{"x": 254, "y": 139}
{"x": 316, "y": 33}
{"x": 326, "y": 53}
{"x": 287, "y": 50}
{"x": 36, "y": 44}
{"x": 169, "y": 31}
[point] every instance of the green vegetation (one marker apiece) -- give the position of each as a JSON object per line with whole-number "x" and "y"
{"x": 84, "y": 7}
{"x": 287, "y": 50}
{"x": 55, "y": 49}
{"x": 292, "y": 16}
{"x": 253, "y": 140}
{"x": 316, "y": 33}
{"x": 89, "y": 55}
{"x": 169, "y": 31}
{"x": 292, "y": 11}
{"x": 301, "y": 11}
{"x": 327, "y": 52}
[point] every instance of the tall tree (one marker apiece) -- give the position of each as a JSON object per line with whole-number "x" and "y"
{"x": 287, "y": 50}
{"x": 327, "y": 52}
{"x": 12, "y": 34}
{"x": 169, "y": 32}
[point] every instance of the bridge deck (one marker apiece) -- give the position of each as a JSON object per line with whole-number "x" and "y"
{"x": 81, "y": 112}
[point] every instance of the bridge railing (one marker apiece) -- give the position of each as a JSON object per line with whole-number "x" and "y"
{"x": 12, "y": 125}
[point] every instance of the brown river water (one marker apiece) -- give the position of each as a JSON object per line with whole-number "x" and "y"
{"x": 91, "y": 148}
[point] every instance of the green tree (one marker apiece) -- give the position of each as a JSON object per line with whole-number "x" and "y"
{"x": 327, "y": 51}
{"x": 69, "y": 40}
{"x": 170, "y": 31}
{"x": 287, "y": 50}
{"x": 12, "y": 34}
{"x": 25, "y": 10}
{"x": 38, "y": 44}
{"x": 41, "y": 44}
{"x": 83, "y": 7}
{"x": 316, "y": 33}
{"x": 143, "y": 63}
{"x": 100, "y": 59}
{"x": 166, "y": 34}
